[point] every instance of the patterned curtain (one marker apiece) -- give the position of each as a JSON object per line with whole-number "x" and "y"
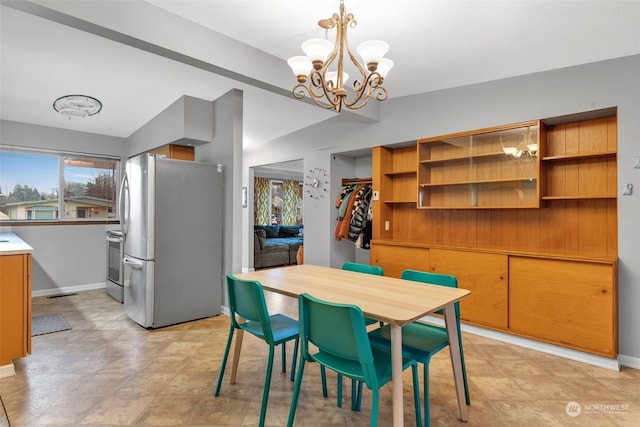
{"x": 290, "y": 205}
{"x": 262, "y": 200}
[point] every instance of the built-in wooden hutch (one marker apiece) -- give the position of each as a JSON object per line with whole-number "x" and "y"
{"x": 525, "y": 216}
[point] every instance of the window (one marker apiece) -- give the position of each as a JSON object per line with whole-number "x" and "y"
{"x": 30, "y": 183}
{"x": 279, "y": 200}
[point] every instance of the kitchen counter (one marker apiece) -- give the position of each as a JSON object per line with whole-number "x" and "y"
{"x": 15, "y": 301}
{"x": 10, "y": 244}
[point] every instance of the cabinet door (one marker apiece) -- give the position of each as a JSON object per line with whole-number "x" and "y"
{"x": 395, "y": 259}
{"x": 180, "y": 152}
{"x": 570, "y": 303}
{"x": 15, "y": 315}
{"x": 485, "y": 275}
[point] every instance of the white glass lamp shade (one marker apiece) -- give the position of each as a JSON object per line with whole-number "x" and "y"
{"x": 332, "y": 76}
{"x": 384, "y": 66}
{"x": 317, "y": 50}
{"x": 301, "y": 66}
{"x": 510, "y": 151}
{"x": 372, "y": 52}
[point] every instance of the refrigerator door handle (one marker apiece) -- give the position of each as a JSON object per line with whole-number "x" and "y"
{"x": 136, "y": 265}
{"x": 124, "y": 204}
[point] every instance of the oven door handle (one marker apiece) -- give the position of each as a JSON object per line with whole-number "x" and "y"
{"x": 135, "y": 264}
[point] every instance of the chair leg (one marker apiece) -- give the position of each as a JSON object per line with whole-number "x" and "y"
{"x": 284, "y": 357}
{"x": 375, "y": 399}
{"x": 427, "y": 409}
{"x": 416, "y": 394}
{"x": 295, "y": 357}
{"x": 358, "y": 403}
{"x": 339, "y": 392}
{"x": 296, "y": 392}
{"x": 224, "y": 361}
{"x": 323, "y": 377}
{"x": 267, "y": 386}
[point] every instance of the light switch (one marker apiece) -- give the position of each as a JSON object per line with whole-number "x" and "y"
{"x": 627, "y": 190}
{"x": 376, "y": 195}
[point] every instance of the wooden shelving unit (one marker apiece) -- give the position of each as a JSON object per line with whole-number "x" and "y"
{"x": 477, "y": 170}
{"x": 451, "y": 205}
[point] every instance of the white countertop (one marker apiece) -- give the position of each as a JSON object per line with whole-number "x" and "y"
{"x": 10, "y": 244}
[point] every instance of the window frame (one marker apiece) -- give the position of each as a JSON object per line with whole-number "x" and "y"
{"x": 60, "y": 205}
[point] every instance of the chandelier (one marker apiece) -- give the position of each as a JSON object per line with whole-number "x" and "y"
{"x": 77, "y": 106}
{"x": 324, "y": 81}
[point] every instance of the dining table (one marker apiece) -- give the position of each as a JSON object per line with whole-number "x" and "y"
{"x": 391, "y": 300}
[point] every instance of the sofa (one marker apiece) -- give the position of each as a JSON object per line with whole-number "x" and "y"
{"x": 275, "y": 245}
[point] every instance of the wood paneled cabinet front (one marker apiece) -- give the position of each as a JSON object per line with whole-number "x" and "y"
{"x": 395, "y": 259}
{"x": 485, "y": 275}
{"x": 571, "y": 303}
{"x": 172, "y": 151}
{"x": 490, "y": 168}
{"x": 15, "y": 307}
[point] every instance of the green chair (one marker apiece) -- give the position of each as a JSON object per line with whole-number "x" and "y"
{"x": 355, "y": 396}
{"x": 246, "y": 301}
{"x": 338, "y": 335}
{"x": 420, "y": 340}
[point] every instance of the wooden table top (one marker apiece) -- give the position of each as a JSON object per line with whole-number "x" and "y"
{"x": 388, "y": 299}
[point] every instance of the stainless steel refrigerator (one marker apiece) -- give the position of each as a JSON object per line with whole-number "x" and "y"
{"x": 171, "y": 218}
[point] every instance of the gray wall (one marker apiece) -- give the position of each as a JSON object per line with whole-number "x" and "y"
{"x": 549, "y": 94}
{"x": 64, "y": 255}
{"x": 226, "y": 149}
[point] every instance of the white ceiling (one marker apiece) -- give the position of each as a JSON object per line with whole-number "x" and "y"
{"x": 434, "y": 44}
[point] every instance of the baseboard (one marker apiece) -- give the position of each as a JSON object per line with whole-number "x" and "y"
{"x": 7, "y": 370}
{"x": 567, "y": 353}
{"x": 68, "y": 289}
{"x": 629, "y": 361}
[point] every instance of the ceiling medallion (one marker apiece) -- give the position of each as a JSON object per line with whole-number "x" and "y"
{"x": 77, "y": 106}
{"x": 325, "y": 87}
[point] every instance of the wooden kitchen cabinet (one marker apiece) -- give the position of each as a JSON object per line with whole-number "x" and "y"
{"x": 394, "y": 259}
{"x": 489, "y": 168}
{"x": 566, "y": 302}
{"x": 172, "y": 151}
{"x": 534, "y": 236}
{"x": 15, "y": 307}
{"x": 485, "y": 275}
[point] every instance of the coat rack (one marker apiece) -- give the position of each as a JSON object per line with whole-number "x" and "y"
{"x": 349, "y": 181}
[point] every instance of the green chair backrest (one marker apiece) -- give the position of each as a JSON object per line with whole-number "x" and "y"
{"x": 339, "y": 330}
{"x": 363, "y": 268}
{"x": 434, "y": 279}
{"x": 246, "y": 299}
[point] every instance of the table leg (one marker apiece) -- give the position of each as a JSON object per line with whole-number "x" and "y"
{"x": 236, "y": 355}
{"x": 456, "y": 360}
{"x": 396, "y": 372}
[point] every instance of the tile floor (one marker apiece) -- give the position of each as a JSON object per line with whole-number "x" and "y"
{"x": 108, "y": 371}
